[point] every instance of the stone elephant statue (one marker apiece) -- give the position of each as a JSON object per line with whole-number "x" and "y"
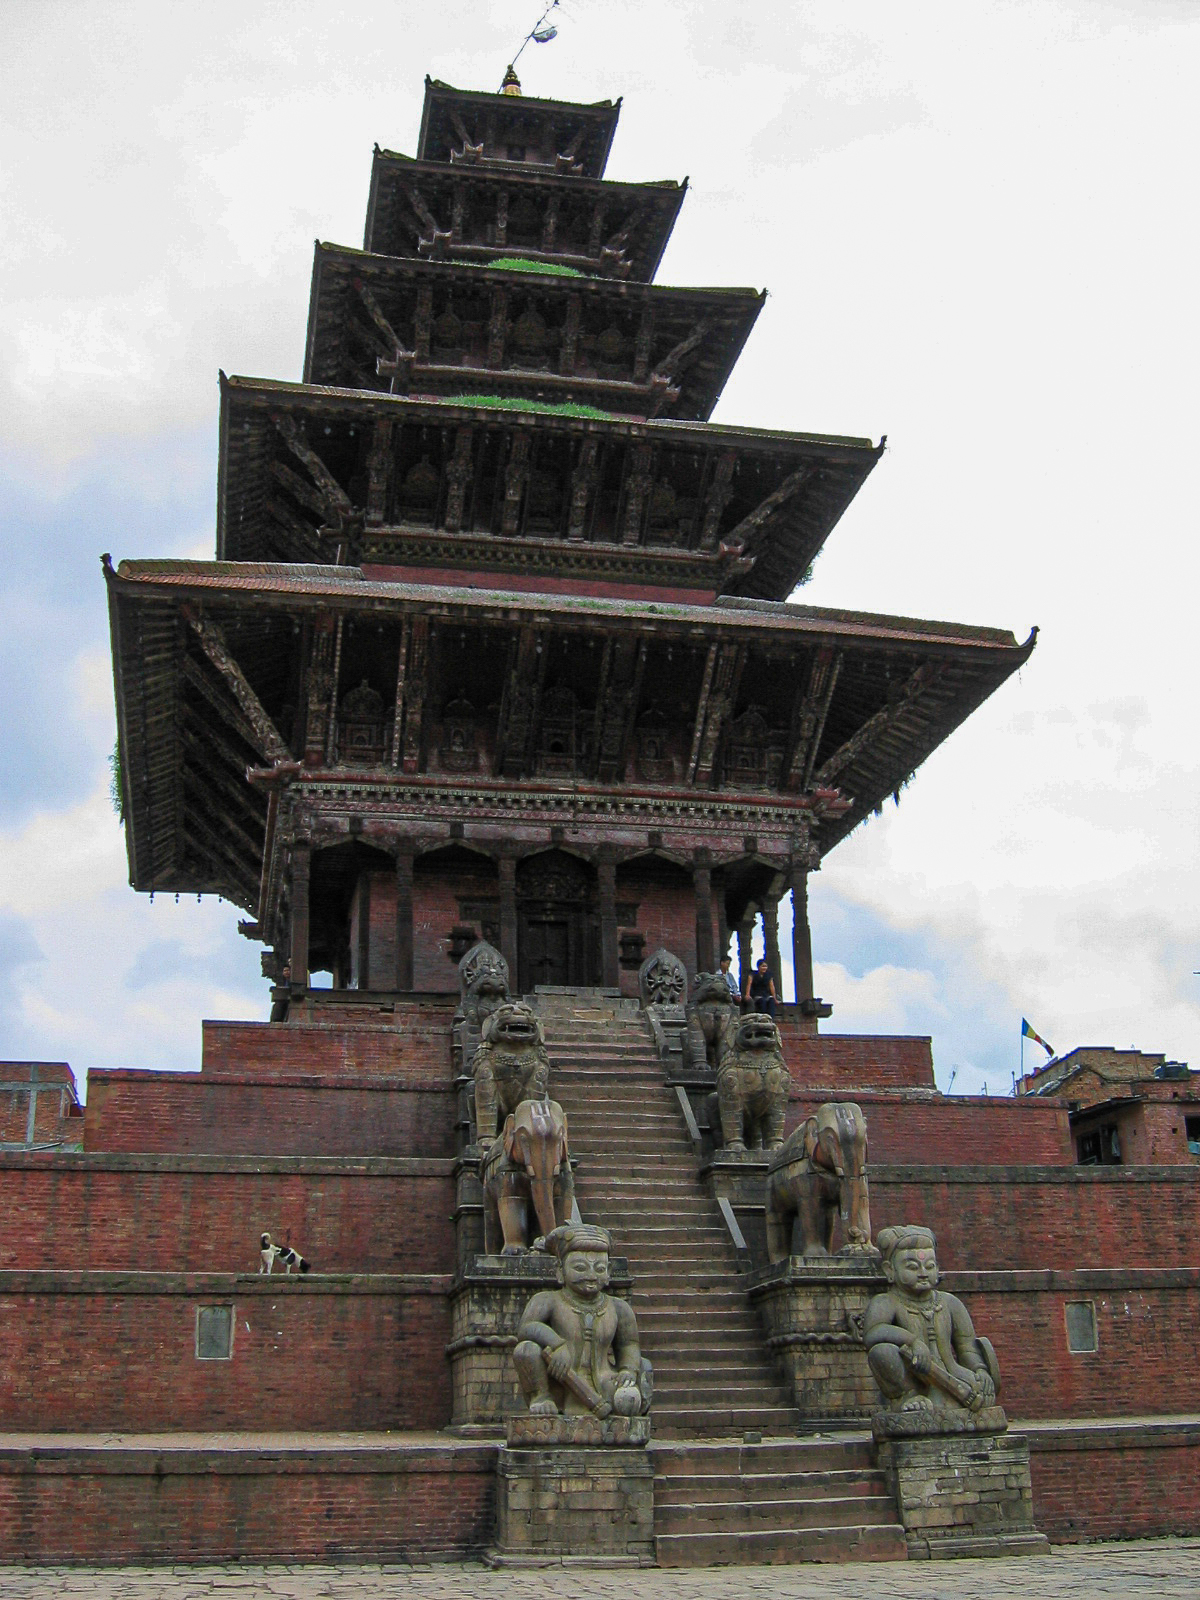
{"x": 711, "y": 1014}
{"x": 817, "y": 1176}
{"x": 752, "y": 1087}
{"x": 526, "y": 1177}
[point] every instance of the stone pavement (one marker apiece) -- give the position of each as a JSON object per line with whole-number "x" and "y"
{"x": 1165, "y": 1569}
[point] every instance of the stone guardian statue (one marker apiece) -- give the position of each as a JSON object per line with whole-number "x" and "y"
{"x": 921, "y": 1343}
{"x": 577, "y": 1350}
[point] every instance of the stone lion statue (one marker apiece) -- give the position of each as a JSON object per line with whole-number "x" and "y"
{"x": 482, "y": 986}
{"x": 752, "y": 1086}
{"x": 711, "y": 1015}
{"x": 510, "y": 1065}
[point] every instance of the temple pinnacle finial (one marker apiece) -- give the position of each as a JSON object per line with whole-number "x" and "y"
{"x": 511, "y": 84}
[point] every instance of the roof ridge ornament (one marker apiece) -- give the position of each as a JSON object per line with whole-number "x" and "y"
{"x": 542, "y": 32}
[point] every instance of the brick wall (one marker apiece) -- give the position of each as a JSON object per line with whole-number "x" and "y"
{"x": 58, "y": 1118}
{"x": 313, "y": 1115}
{"x": 1032, "y": 1217}
{"x": 842, "y": 1061}
{"x": 203, "y": 1214}
{"x": 412, "y": 1045}
{"x": 921, "y": 1128}
{"x": 118, "y": 1504}
{"x": 117, "y": 1351}
{"x": 1115, "y": 1480}
{"x": 1148, "y": 1328}
{"x": 1159, "y": 1135}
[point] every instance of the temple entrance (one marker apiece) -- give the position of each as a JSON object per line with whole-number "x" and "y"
{"x": 558, "y": 931}
{"x": 545, "y": 951}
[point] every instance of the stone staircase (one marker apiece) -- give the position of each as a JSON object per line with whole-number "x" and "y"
{"x": 718, "y": 1501}
{"x": 717, "y": 1498}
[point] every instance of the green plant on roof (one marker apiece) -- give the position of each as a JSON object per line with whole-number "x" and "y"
{"x": 523, "y": 264}
{"x": 508, "y": 402}
{"x": 116, "y": 790}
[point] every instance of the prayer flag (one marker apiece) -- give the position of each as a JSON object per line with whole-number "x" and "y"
{"x": 1028, "y": 1033}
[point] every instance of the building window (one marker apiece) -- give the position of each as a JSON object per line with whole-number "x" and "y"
{"x": 1099, "y": 1147}
{"x": 1191, "y": 1127}
{"x": 214, "y": 1333}
{"x": 1081, "y": 1327}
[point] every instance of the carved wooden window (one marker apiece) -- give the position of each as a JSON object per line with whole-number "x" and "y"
{"x": 362, "y": 726}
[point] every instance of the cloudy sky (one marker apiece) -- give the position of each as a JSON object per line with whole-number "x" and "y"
{"x": 978, "y": 226}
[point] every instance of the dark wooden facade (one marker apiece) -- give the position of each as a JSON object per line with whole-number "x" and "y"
{"x": 497, "y": 641}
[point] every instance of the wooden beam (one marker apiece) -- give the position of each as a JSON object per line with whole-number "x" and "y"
{"x": 583, "y": 485}
{"x": 212, "y": 642}
{"x": 497, "y": 327}
{"x": 913, "y": 687}
{"x": 391, "y": 338}
{"x": 516, "y": 475}
{"x": 379, "y": 468}
{"x": 309, "y": 497}
{"x": 738, "y": 538}
{"x": 416, "y": 685}
{"x": 335, "y": 683}
{"x": 716, "y": 498}
{"x": 669, "y": 365}
{"x": 808, "y": 718}
{"x": 638, "y": 478}
{"x": 714, "y": 710}
{"x": 458, "y": 478}
{"x": 569, "y": 349}
{"x": 317, "y": 690}
{"x": 230, "y": 713}
{"x": 519, "y": 703}
{"x": 337, "y": 501}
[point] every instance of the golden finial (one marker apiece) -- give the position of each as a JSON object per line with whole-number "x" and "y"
{"x": 511, "y": 84}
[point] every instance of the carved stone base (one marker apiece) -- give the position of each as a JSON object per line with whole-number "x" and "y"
{"x": 961, "y": 1493}
{"x": 569, "y": 1503}
{"x": 486, "y": 1303}
{"x": 812, "y": 1311}
{"x": 525, "y": 1431}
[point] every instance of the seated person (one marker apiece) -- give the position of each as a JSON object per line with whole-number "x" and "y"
{"x": 760, "y": 990}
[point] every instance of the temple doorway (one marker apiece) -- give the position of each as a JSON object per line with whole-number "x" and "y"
{"x": 558, "y": 931}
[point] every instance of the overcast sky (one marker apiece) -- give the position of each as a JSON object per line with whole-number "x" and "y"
{"x": 978, "y": 226}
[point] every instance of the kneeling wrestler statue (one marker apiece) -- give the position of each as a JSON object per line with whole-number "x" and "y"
{"x": 577, "y": 1346}
{"x": 921, "y": 1342}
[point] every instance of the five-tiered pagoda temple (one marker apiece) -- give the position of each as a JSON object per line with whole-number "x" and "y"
{"x": 498, "y": 647}
{"x": 498, "y": 639}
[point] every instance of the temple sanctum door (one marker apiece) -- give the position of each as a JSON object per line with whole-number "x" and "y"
{"x": 557, "y": 927}
{"x": 545, "y": 950}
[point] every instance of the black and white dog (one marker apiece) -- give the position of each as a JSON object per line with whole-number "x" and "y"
{"x": 270, "y": 1253}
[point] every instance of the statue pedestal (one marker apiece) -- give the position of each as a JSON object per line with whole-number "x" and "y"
{"x": 486, "y": 1302}
{"x": 812, "y": 1310}
{"x": 574, "y": 1490}
{"x": 961, "y": 1482}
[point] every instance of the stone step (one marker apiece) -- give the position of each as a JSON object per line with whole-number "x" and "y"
{"x": 799, "y": 1453}
{"x": 867, "y": 1542}
{"x": 707, "y": 1421}
{"x": 729, "y": 1487}
{"x": 740, "y": 1514}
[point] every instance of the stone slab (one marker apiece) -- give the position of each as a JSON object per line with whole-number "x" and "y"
{"x": 937, "y": 1423}
{"x": 962, "y": 1493}
{"x": 527, "y": 1431}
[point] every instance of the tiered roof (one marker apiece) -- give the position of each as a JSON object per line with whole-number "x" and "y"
{"x": 497, "y": 489}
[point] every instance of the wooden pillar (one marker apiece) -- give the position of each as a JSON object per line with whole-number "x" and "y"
{"x": 770, "y": 916}
{"x": 363, "y": 950}
{"x": 301, "y": 865}
{"x": 508, "y": 917}
{"x": 610, "y": 969}
{"x": 745, "y": 935}
{"x": 702, "y": 877}
{"x": 801, "y": 936}
{"x": 404, "y": 921}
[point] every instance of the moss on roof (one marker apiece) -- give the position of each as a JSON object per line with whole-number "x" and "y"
{"x": 505, "y": 402}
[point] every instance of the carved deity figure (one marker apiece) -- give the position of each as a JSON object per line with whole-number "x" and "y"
{"x": 921, "y": 1342}
{"x": 711, "y": 1014}
{"x": 577, "y": 1346}
{"x": 510, "y": 1065}
{"x": 752, "y": 1086}
{"x": 482, "y": 983}
{"x": 662, "y": 980}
